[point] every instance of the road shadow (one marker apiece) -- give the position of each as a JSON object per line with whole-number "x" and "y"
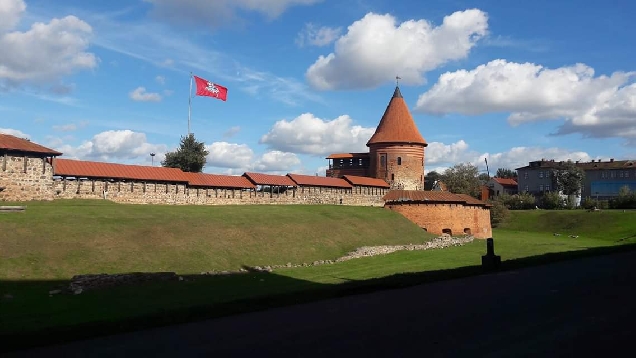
{"x": 31, "y": 317}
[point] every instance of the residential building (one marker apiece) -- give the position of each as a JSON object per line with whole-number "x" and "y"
{"x": 500, "y": 186}
{"x": 603, "y": 179}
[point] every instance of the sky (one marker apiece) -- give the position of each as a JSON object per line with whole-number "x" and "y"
{"x": 508, "y": 81}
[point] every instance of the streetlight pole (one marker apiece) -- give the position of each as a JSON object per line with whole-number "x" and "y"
{"x": 152, "y": 156}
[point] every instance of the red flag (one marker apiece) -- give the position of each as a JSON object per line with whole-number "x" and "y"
{"x": 207, "y": 88}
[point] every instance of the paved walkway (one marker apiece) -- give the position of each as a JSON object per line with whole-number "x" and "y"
{"x": 578, "y": 308}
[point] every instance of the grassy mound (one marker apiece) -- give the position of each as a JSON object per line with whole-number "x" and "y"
{"x": 56, "y": 240}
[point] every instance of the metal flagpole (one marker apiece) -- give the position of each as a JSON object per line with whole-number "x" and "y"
{"x": 190, "y": 104}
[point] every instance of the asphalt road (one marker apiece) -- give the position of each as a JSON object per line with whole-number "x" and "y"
{"x": 577, "y": 308}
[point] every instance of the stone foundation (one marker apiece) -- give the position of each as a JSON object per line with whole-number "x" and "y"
{"x": 25, "y": 178}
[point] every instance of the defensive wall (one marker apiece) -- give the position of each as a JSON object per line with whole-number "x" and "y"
{"x": 442, "y": 212}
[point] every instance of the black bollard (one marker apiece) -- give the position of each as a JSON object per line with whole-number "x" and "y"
{"x": 490, "y": 261}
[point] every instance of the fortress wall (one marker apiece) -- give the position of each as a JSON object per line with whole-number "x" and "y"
{"x": 25, "y": 178}
{"x": 180, "y": 194}
{"x": 436, "y": 218}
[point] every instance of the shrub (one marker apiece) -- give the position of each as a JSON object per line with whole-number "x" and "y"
{"x": 498, "y": 213}
{"x": 552, "y": 200}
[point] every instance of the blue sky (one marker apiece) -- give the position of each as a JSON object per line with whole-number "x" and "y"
{"x": 507, "y": 81}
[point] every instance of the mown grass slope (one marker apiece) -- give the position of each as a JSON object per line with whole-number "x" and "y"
{"x": 56, "y": 240}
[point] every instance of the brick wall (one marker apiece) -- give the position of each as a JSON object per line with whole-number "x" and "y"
{"x": 179, "y": 194}
{"x": 435, "y": 218}
{"x": 403, "y": 166}
{"x": 25, "y": 178}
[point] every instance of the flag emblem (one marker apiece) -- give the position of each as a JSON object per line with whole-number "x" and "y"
{"x": 210, "y": 89}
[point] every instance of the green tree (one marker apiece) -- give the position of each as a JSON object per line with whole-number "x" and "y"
{"x": 189, "y": 157}
{"x": 483, "y": 177}
{"x": 462, "y": 179}
{"x": 552, "y": 200}
{"x": 569, "y": 178}
{"x": 498, "y": 212}
{"x": 506, "y": 173}
{"x": 430, "y": 178}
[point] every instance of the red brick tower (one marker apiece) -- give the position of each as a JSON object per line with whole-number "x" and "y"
{"x": 396, "y": 149}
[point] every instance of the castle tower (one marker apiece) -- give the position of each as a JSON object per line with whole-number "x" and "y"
{"x": 396, "y": 149}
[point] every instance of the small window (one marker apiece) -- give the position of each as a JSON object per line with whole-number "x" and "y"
{"x": 626, "y": 174}
{"x": 382, "y": 161}
{"x": 525, "y": 175}
{"x": 392, "y": 177}
{"x": 540, "y": 174}
{"x": 526, "y": 188}
{"x": 547, "y": 187}
{"x": 541, "y": 187}
{"x": 620, "y": 174}
{"x": 399, "y": 160}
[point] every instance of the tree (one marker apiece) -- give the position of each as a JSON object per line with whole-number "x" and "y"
{"x": 462, "y": 179}
{"x": 506, "y": 173}
{"x": 189, "y": 157}
{"x": 430, "y": 178}
{"x": 498, "y": 213}
{"x": 569, "y": 178}
{"x": 483, "y": 177}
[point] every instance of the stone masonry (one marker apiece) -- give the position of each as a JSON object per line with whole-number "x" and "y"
{"x": 25, "y": 177}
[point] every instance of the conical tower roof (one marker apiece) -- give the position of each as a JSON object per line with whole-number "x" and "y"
{"x": 397, "y": 125}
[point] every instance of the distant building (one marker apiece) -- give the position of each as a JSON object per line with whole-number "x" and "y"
{"x": 603, "y": 179}
{"x": 500, "y": 186}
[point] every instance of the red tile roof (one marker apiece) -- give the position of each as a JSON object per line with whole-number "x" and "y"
{"x": 219, "y": 181}
{"x": 366, "y": 181}
{"x": 472, "y": 201}
{"x": 12, "y": 143}
{"x": 347, "y": 155}
{"x": 86, "y": 169}
{"x": 397, "y": 125}
{"x": 506, "y": 181}
{"x": 268, "y": 179}
{"x": 312, "y": 180}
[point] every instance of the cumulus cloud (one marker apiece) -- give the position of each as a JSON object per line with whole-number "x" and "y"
{"x": 375, "y": 50}
{"x": 276, "y": 161}
{"x": 219, "y": 12}
{"x": 229, "y": 155}
{"x": 114, "y": 145}
{"x": 14, "y": 132}
{"x": 308, "y": 134}
{"x": 440, "y": 156}
{"x": 139, "y": 94}
{"x": 596, "y": 106}
{"x": 317, "y": 36}
{"x": 46, "y": 52}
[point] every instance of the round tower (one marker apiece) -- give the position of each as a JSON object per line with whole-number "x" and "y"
{"x": 396, "y": 149}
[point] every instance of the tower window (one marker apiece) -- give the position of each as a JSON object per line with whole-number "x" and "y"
{"x": 392, "y": 177}
{"x": 399, "y": 160}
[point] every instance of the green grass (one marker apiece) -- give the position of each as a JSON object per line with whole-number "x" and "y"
{"x": 57, "y": 240}
{"x": 297, "y": 233}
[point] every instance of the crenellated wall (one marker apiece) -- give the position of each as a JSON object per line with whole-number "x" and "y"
{"x": 437, "y": 218}
{"x": 25, "y": 177}
{"x": 180, "y": 194}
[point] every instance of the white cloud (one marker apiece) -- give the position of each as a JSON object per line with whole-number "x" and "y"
{"x": 317, "y": 36}
{"x": 232, "y": 131}
{"x": 308, "y": 134}
{"x": 229, "y": 155}
{"x": 601, "y": 106}
{"x": 139, "y": 94}
{"x": 375, "y": 50}
{"x": 47, "y": 51}
{"x": 14, "y": 132}
{"x": 10, "y": 12}
{"x": 160, "y": 80}
{"x": 211, "y": 14}
{"x": 439, "y": 156}
{"x": 113, "y": 145}
{"x": 276, "y": 161}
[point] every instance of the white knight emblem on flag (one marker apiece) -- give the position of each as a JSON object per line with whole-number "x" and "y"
{"x": 212, "y": 88}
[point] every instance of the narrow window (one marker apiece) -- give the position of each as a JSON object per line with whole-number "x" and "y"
{"x": 399, "y": 160}
{"x": 392, "y": 177}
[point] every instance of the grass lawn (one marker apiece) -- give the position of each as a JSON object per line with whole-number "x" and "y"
{"x": 297, "y": 234}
